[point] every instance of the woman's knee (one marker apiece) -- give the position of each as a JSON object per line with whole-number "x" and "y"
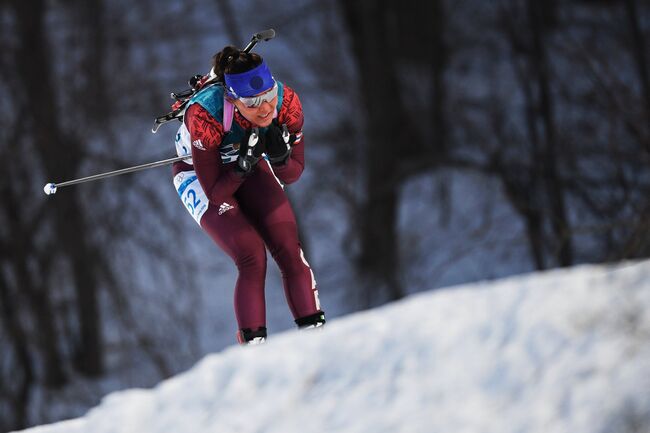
{"x": 289, "y": 259}
{"x": 251, "y": 259}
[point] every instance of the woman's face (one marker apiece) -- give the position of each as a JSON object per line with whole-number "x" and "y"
{"x": 261, "y": 116}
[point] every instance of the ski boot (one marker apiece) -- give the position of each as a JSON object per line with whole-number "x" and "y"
{"x": 316, "y": 320}
{"x": 249, "y": 337}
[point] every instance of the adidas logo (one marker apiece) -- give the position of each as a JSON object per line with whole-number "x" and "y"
{"x": 225, "y": 207}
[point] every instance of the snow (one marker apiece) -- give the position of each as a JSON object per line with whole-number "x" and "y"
{"x": 560, "y": 351}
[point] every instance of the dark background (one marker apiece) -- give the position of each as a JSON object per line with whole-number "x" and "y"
{"x": 447, "y": 141}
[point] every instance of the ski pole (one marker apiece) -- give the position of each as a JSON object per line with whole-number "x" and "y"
{"x": 51, "y": 188}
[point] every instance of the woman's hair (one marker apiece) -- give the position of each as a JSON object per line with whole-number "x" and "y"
{"x": 232, "y": 60}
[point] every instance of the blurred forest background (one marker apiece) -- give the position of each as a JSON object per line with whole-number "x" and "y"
{"x": 447, "y": 141}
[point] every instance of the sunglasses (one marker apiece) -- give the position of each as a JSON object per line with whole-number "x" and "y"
{"x": 256, "y": 101}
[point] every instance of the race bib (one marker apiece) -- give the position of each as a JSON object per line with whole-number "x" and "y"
{"x": 191, "y": 193}
{"x": 183, "y": 143}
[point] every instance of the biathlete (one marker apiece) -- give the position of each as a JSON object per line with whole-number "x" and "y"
{"x": 244, "y": 133}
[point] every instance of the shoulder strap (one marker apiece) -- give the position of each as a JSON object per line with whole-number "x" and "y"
{"x": 228, "y": 114}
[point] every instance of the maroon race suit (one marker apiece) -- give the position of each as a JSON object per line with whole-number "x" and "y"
{"x": 245, "y": 214}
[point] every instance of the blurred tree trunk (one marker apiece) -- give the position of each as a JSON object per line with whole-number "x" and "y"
{"x": 439, "y": 55}
{"x": 92, "y": 36}
{"x": 437, "y": 145}
{"x": 638, "y": 242}
{"x": 423, "y": 141}
{"x": 86, "y": 261}
{"x": 229, "y": 20}
{"x": 61, "y": 156}
{"x": 640, "y": 52}
{"x": 521, "y": 194}
{"x": 536, "y": 193}
{"x": 388, "y": 41}
{"x": 23, "y": 378}
{"x": 539, "y": 14}
{"x": 379, "y": 259}
{"x": 34, "y": 73}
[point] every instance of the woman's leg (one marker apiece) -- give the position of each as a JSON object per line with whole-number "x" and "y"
{"x": 265, "y": 203}
{"x": 231, "y": 230}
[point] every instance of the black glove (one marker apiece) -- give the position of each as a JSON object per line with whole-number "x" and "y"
{"x": 250, "y": 151}
{"x": 278, "y": 142}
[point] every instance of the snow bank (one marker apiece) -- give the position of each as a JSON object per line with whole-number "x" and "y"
{"x": 562, "y": 351}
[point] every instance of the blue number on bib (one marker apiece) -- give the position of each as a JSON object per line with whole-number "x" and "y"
{"x": 194, "y": 203}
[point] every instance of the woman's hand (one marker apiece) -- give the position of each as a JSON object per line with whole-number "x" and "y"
{"x": 278, "y": 142}
{"x": 250, "y": 151}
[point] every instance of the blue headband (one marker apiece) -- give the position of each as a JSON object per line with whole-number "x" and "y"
{"x": 249, "y": 83}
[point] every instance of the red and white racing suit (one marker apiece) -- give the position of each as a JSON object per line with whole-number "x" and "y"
{"x": 243, "y": 215}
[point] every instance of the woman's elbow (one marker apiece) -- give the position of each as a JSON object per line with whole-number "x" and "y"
{"x": 292, "y": 176}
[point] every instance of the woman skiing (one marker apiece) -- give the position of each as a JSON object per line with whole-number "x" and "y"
{"x": 245, "y": 136}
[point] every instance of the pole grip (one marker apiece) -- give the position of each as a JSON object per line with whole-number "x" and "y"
{"x": 264, "y": 35}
